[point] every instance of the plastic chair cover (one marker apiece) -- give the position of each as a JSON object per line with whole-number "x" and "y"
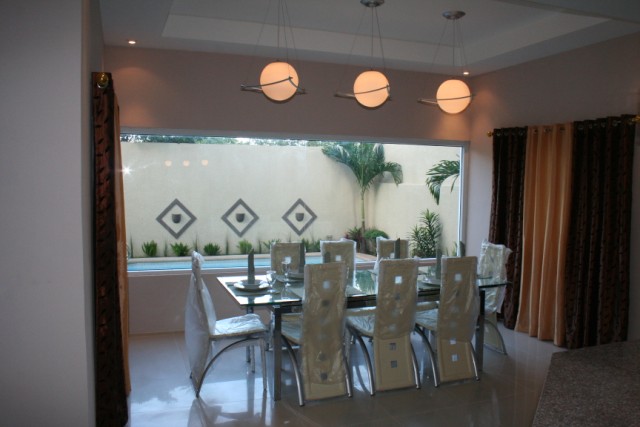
{"x": 196, "y": 322}
{"x": 492, "y": 263}
{"x": 280, "y": 250}
{"x": 457, "y": 318}
{"x": 321, "y": 332}
{"x": 343, "y": 250}
{"x": 385, "y": 248}
{"x": 394, "y": 322}
{"x": 202, "y": 327}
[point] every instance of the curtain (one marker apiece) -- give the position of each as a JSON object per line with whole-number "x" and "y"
{"x": 547, "y": 201}
{"x": 509, "y": 147}
{"x": 110, "y": 280}
{"x": 597, "y": 265}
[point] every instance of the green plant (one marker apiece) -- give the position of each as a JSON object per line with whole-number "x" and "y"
{"x": 211, "y": 249}
{"x": 150, "y": 248}
{"x": 366, "y": 161}
{"x": 311, "y": 245}
{"x": 372, "y": 233}
{"x": 130, "y": 247}
{"x": 195, "y": 245}
{"x": 245, "y": 246}
{"x": 180, "y": 249}
{"x": 438, "y": 174}
{"x": 425, "y": 237}
{"x": 268, "y": 243}
{"x": 165, "y": 251}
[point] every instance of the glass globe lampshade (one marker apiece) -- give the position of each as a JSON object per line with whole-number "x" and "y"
{"x": 279, "y": 81}
{"x": 453, "y": 96}
{"x": 371, "y": 89}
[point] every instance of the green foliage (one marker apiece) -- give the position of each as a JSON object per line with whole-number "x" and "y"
{"x": 130, "y": 248}
{"x": 180, "y": 249}
{"x": 267, "y": 245}
{"x": 150, "y": 249}
{"x": 366, "y": 161}
{"x": 354, "y": 233}
{"x": 165, "y": 252}
{"x": 211, "y": 249}
{"x": 438, "y": 174}
{"x": 372, "y": 233}
{"x": 195, "y": 245}
{"x": 245, "y": 246}
{"x": 425, "y": 237}
{"x": 311, "y": 245}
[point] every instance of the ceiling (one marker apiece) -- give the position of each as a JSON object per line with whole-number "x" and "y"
{"x": 415, "y": 36}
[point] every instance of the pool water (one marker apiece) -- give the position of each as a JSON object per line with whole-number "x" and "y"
{"x": 208, "y": 264}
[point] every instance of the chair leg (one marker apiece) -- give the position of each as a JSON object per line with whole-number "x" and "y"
{"x": 263, "y": 361}
{"x": 348, "y": 377}
{"x": 432, "y": 355}
{"x": 372, "y": 389}
{"x": 502, "y": 348}
{"x": 296, "y": 369}
{"x": 416, "y": 374}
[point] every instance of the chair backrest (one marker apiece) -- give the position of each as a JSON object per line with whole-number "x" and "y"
{"x": 458, "y": 311}
{"x": 343, "y": 250}
{"x": 280, "y": 250}
{"x": 492, "y": 263}
{"x": 323, "y": 323}
{"x": 199, "y": 318}
{"x": 394, "y": 323}
{"x": 385, "y": 248}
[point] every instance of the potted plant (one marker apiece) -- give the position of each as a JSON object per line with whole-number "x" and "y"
{"x": 150, "y": 249}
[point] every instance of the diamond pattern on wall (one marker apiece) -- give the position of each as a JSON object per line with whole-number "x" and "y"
{"x": 299, "y": 217}
{"x": 240, "y": 217}
{"x": 176, "y": 218}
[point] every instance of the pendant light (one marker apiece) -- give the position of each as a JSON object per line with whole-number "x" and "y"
{"x": 279, "y": 80}
{"x": 371, "y": 88}
{"x": 453, "y": 95}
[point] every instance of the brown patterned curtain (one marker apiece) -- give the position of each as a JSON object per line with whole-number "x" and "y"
{"x": 509, "y": 148}
{"x": 110, "y": 280}
{"x": 597, "y": 265}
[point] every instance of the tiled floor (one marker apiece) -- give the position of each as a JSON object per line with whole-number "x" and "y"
{"x": 162, "y": 395}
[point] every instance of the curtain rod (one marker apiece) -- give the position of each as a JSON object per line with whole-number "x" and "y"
{"x": 635, "y": 119}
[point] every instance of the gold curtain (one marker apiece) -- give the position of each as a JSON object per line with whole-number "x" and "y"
{"x": 547, "y": 203}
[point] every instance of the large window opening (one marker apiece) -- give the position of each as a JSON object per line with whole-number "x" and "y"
{"x": 224, "y": 196}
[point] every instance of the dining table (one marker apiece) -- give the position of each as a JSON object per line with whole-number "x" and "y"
{"x": 286, "y": 295}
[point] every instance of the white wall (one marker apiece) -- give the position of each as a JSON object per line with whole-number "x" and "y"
{"x": 46, "y": 360}
{"x": 209, "y": 179}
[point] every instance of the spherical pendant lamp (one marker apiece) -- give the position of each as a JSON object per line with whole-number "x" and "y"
{"x": 453, "y": 96}
{"x": 371, "y": 89}
{"x": 279, "y": 81}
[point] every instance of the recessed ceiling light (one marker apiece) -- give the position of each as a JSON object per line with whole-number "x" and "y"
{"x": 131, "y": 42}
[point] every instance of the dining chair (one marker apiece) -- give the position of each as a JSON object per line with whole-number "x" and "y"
{"x": 385, "y": 248}
{"x": 322, "y": 370}
{"x": 203, "y": 330}
{"x": 492, "y": 263}
{"x": 343, "y": 250}
{"x": 280, "y": 250}
{"x": 453, "y": 323}
{"x": 389, "y": 326}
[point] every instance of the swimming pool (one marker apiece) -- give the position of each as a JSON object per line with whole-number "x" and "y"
{"x": 213, "y": 263}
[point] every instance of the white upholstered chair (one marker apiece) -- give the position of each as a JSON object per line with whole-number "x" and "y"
{"x": 390, "y": 326}
{"x": 453, "y": 322}
{"x": 204, "y": 331}
{"x": 322, "y": 370}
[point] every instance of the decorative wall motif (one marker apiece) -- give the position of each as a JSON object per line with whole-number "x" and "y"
{"x": 176, "y": 218}
{"x": 240, "y": 217}
{"x": 299, "y": 217}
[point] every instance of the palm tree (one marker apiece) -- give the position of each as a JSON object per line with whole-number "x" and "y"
{"x": 367, "y": 163}
{"x": 437, "y": 175}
